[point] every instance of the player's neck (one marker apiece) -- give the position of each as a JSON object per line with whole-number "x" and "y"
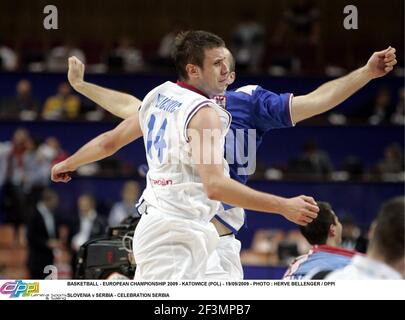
{"x": 192, "y": 87}
{"x": 331, "y": 241}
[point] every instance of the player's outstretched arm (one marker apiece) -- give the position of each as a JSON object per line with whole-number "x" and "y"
{"x": 336, "y": 91}
{"x": 301, "y": 210}
{"x": 99, "y": 148}
{"x": 119, "y": 104}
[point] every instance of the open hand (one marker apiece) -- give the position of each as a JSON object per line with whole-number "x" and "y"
{"x": 75, "y": 72}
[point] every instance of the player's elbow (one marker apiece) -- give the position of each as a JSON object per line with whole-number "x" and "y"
{"x": 129, "y": 110}
{"x": 108, "y": 144}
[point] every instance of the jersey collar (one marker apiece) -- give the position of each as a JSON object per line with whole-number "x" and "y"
{"x": 334, "y": 250}
{"x": 190, "y": 87}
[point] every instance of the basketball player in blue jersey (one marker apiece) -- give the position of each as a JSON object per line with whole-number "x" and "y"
{"x": 187, "y": 180}
{"x": 252, "y": 107}
{"x": 325, "y": 236}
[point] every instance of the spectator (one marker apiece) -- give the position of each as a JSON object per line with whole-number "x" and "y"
{"x": 301, "y": 22}
{"x": 382, "y": 107}
{"x": 392, "y": 166}
{"x": 36, "y": 176}
{"x": 313, "y": 163}
{"x": 163, "y": 56}
{"x": 42, "y": 235}
{"x": 58, "y": 57}
{"x": 126, "y": 207}
{"x": 167, "y": 43}
{"x": 90, "y": 224}
{"x": 63, "y": 105}
{"x": 377, "y": 109}
{"x": 398, "y": 117}
{"x": 5, "y": 149}
{"x": 23, "y": 106}
{"x": 51, "y": 151}
{"x": 14, "y": 198}
{"x": 37, "y": 167}
{"x": 297, "y": 38}
{"x": 8, "y": 58}
{"x": 352, "y": 235}
{"x": 125, "y": 57}
{"x": 248, "y": 44}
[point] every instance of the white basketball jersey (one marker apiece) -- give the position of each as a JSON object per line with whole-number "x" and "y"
{"x": 173, "y": 184}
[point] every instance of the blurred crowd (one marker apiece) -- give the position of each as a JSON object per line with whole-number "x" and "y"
{"x": 314, "y": 164}
{"x": 35, "y": 223}
{"x": 62, "y": 106}
{"x": 291, "y": 45}
{"x": 386, "y": 107}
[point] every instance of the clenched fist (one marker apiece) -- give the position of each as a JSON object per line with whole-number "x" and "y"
{"x": 381, "y": 62}
{"x": 61, "y": 172}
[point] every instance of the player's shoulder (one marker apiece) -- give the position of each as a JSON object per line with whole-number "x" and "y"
{"x": 252, "y": 92}
{"x": 302, "y": 258}
{"x": 250, "y": 89}
{"x": 167, "y": 86}
{"x": 162, "y": 87}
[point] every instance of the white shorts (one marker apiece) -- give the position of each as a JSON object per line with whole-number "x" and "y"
{"x": 225, "y": 258}
{"x": 167, "y": 247}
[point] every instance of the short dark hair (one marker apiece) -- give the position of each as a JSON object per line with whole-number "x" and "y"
{"x": 317, "y": 231}
{"x": 388, "y": 235}
{"x": 190, "y": 48}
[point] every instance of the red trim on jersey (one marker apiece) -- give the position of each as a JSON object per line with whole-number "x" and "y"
{"x": 190, "y": 87}
{"x": 334, "y": 250}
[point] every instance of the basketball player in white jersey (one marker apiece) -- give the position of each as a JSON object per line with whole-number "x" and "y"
{"x": 186, "y": 178}
{"x": 124, "y": 105}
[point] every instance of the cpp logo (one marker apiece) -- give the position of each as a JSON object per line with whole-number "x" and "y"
{"x": 19, "y": 288}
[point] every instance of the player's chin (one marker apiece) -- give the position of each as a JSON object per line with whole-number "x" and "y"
{"x": 221, "y": 87}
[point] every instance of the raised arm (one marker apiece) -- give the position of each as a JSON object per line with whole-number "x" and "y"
{"x": 119, "y": 104}
{"x": 336, "y": 91}
{"x": 99, "y": 148}
{"x": 301, "y": 210}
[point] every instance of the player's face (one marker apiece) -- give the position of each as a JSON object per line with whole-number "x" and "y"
{"x": 229, "y": 61}
{"x": 231, "y": 78}
{"x": 215, "y": 72}
{"x": 338, "y": 230}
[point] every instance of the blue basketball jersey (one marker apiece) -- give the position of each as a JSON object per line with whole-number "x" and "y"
{"x": 322, "y": 257}
{"x": 254, "y": 112}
